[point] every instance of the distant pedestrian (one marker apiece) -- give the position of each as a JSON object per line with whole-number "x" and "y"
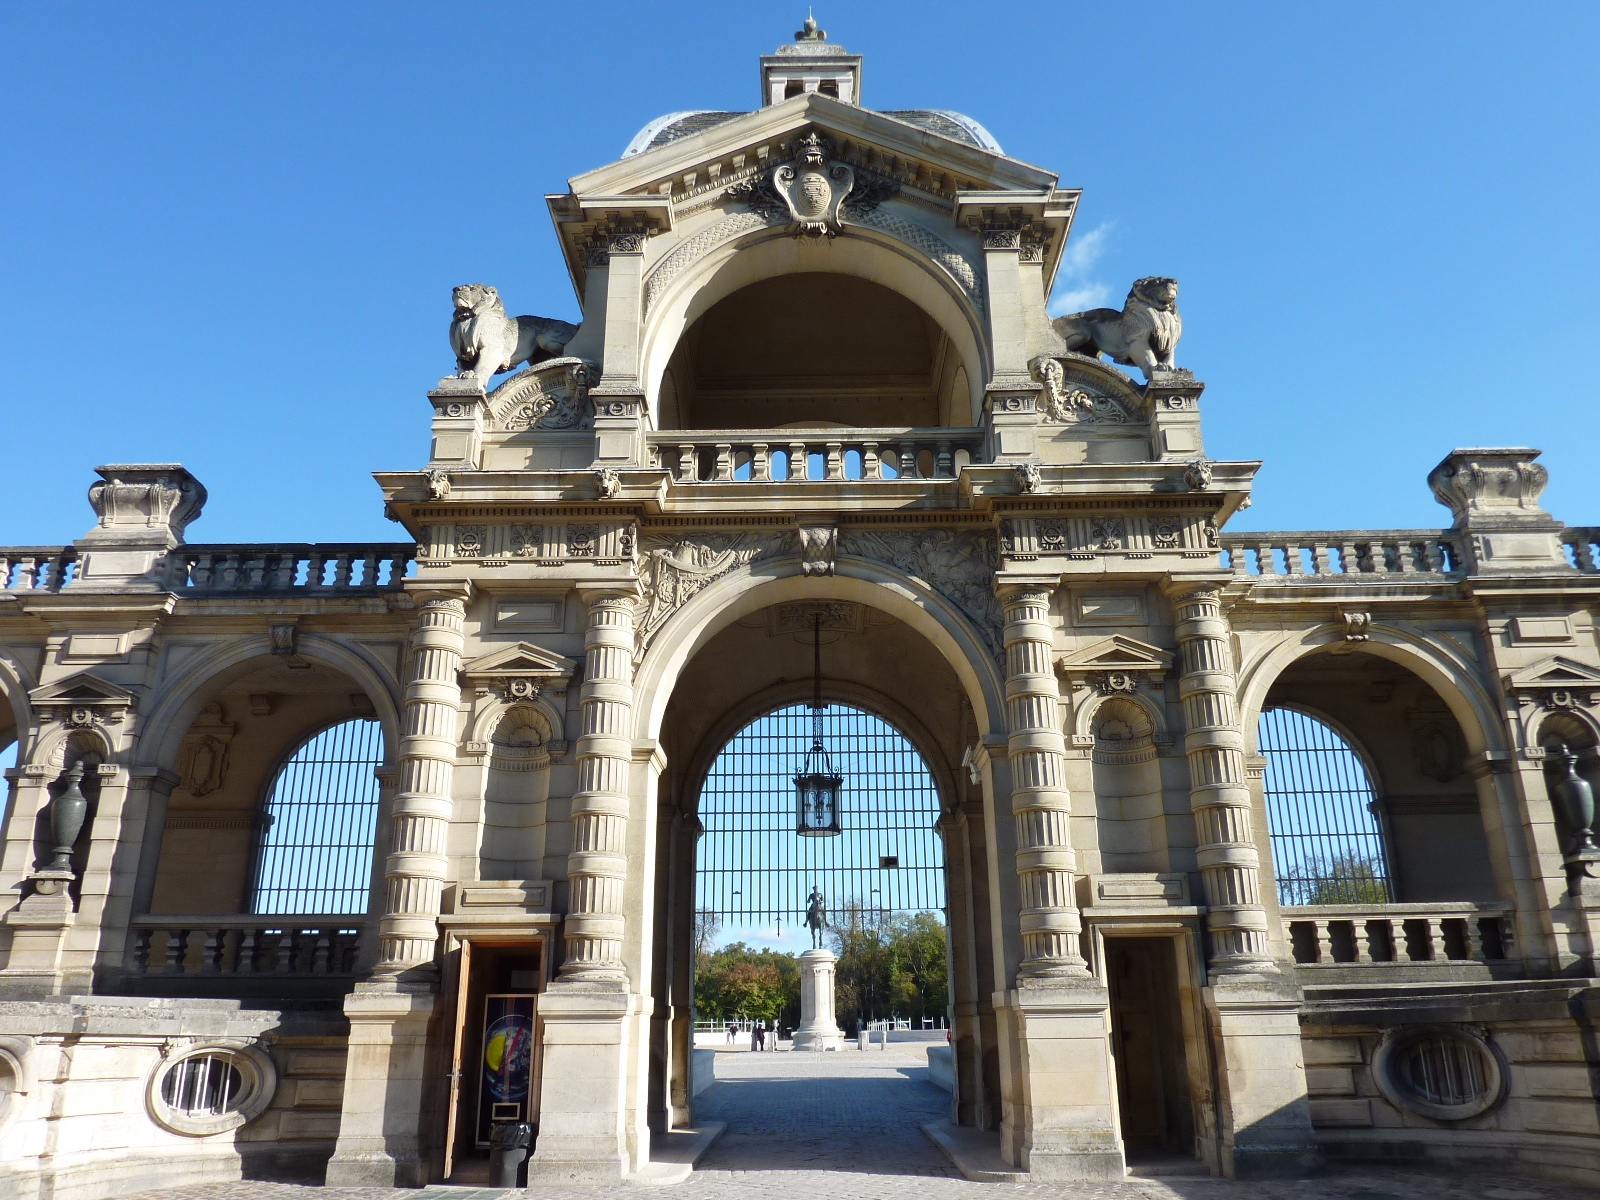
{"x": 760, "y": 1036}
{"x": 732, "y": 1029}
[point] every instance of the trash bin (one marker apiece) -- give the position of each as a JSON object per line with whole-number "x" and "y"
{"x": 508, "y": 1153}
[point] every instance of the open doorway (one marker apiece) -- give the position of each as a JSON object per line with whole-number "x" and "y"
{"x": 1154, "y": 1097}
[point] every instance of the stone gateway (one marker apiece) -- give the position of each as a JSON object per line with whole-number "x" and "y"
{"x": 1260, "y": 849}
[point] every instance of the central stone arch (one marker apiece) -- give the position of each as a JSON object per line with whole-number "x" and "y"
{"x": 699, "y": 281}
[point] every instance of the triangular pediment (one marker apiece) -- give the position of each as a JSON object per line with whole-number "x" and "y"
{"x": 1557, "y": 671}
{"x": 970, "y": 168}
{"x": 664, "y": 189}
{"x": 81, "y": 689}
{"x": 1117, "y": 653}
{"x": 523, "y": 659}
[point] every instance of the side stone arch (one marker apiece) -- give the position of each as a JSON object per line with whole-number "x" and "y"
{"x": 164, "y": 727}
{"x": 16, "y": 681}
{"x": 1448, "y": 672}
{"x": 746, "y": 590}
{"x": 688, "y": 288}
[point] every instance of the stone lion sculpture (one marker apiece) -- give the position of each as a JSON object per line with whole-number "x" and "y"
{"x": 487, "y": 342}
{"x": 1144, "y": 334}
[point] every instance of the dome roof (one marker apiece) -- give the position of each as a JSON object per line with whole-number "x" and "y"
{"x": 956, "y": 126}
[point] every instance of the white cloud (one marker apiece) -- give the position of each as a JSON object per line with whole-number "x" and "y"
{"x": 1074, "y": 290}
{"x": 1094, "y": 295}
{"x": 1084, "y": 251}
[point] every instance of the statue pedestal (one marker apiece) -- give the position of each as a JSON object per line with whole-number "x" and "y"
{"x": 818, "y": 1030}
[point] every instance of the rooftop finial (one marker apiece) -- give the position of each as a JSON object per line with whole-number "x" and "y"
{"x": 809, "y": 31}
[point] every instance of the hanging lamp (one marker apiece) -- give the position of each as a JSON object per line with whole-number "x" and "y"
{"x": 816, "y": 787}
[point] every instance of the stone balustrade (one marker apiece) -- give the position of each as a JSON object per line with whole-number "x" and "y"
{"x": 1334, "y": 555}
{"x": 1406, "y": 934}
{"x": 736, "y": 456}
{"x": 1583, "y": 547}
{"x": 36, "y": 568}
{"x": 190, "y": 946}
{"x": 292, "y": 567}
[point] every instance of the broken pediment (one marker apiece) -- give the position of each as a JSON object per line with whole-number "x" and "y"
{"x": 522, "y": 671}
{"x": 1554, "y": 677}
{"x": 81, "y": 701}
{"x": 82, "y": 689}
{"x": 1116, "y": 664}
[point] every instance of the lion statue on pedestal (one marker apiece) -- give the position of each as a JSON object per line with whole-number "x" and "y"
{"x": 1144, "y": 334}
{"x": 487, "y": 342}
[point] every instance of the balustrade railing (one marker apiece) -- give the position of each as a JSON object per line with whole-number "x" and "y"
{"x": 299, "y": 946}
{"x": 36, "y": 568}
{"x": 738, "y": 456}
{"x": 307, "y": 567}
{"x": 1408, "y": 934}
{"x": 1583, "y": 547}
{"x": 1322, "y": 556}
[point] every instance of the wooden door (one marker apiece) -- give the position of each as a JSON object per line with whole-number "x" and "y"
{"x": 452, "y": 1128}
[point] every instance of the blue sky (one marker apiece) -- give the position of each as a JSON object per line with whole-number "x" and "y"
{"x": 228, "y": 232}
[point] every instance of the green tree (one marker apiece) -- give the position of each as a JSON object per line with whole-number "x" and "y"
{"x": 1346, "y": 878}
{"x": 890, "y": 965}
{"x": 739, "y": 981}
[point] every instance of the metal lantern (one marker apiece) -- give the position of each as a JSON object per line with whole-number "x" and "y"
{"x": 817, "y": 785}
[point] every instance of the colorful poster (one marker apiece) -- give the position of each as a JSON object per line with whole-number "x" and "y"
{"x": 505, "y": 1071}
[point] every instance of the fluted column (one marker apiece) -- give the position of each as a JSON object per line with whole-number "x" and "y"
{"x": 1040, "y": 804}
{"x": 417, "y": 865}
{"x": 1218, "y": 793}
{"x": 597, "y": 868}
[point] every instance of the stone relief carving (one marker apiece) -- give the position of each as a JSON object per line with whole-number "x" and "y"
{"x": 1164, "y": 533}
{"x": 203, "y": 763}
{"x": 818, "y": 544}
{"x": 958, "y": 564}
{"x": 1109, "y": 533}
{"x": 583, "y": 541}
{"x": 725, "y": 229}
{"x": 1064, "y": 405}
{"x": 438, "y": 484}
{"x": 673, "y": 569}
{"x": 486, "y": 341}
{"x": 1473, "y": 483}
{"x": 935, "y": 247}
{"x": 1029, "y": 477}
{"x": 812, "y": 190}
{"x": 1197, "y": 475}
{"x": 607, "y": 482}
{"x": 536, "y": 399}
{"x": 1144, "y": 334}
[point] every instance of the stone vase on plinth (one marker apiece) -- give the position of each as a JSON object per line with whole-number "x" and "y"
{"x": 818, "y": 1030}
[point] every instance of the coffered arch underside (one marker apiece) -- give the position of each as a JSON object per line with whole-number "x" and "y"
{"x": 742, "y": 248}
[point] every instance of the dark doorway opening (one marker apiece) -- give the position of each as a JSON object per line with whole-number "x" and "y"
{"x": 495, "y": 1059}
{"x": 1153, "y": 1097}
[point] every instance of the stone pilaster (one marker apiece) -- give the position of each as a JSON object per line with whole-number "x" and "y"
{"x": 597, "y": 866}
{"x": 1219, "y": 792}
{"x": 1040, "y": 804}
{"x": 381, "y": 1135}
{"x": 418, "y": 865}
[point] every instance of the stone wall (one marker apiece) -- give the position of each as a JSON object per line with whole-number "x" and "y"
{"x": 80, "y": 1081}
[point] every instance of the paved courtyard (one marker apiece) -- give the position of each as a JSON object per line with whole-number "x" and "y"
{"x": 845, "y": 1127}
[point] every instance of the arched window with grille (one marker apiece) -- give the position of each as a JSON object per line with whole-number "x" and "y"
{"x": 1327, "y": 841}
{"x": 314, "y": 855}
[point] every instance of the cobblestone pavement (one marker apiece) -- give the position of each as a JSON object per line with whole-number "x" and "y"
{"x": 845, "y": 1127}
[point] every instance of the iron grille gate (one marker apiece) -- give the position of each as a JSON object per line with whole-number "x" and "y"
{"x": 1326, "y": 840}
{"x": 315, "y": 852}
{"x": 754, "y": 868}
